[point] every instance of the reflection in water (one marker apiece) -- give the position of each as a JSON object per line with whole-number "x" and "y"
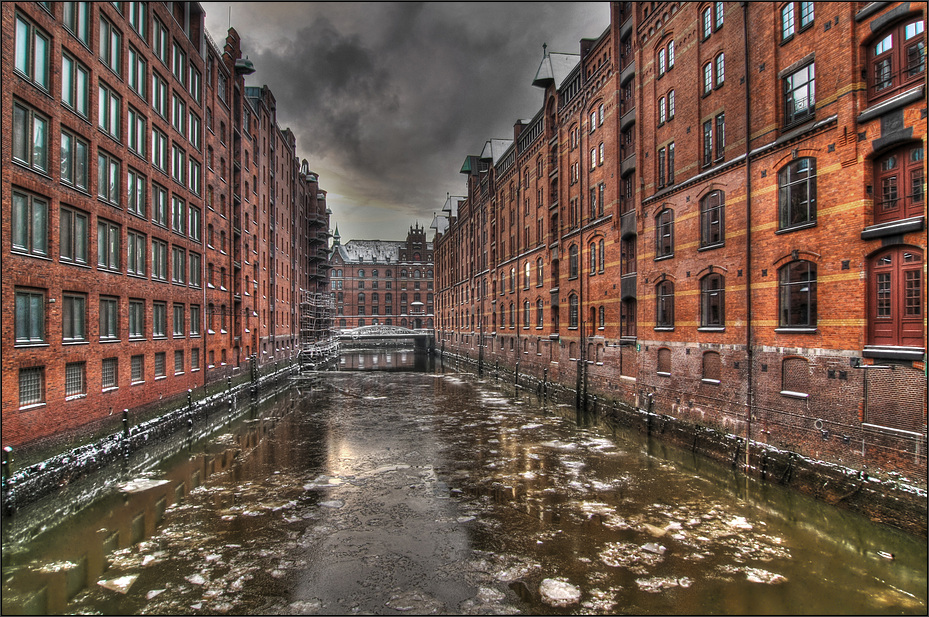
{"x": 443, "y": 493}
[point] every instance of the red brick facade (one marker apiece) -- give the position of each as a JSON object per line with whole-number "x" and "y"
{"x": 763, "y": 267}
{"x": 125, "y": 219}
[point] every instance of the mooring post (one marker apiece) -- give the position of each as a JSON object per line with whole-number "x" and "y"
{"x": 545, "y": 382}
{"x": 516, "y": 380}
{"x": 7, "y": 461}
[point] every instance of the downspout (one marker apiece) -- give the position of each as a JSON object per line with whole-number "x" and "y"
{"x": 748, "y": 236}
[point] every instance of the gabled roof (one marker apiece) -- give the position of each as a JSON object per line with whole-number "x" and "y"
{"x": 494, "y": 149}
{"x": 554, "y": 69}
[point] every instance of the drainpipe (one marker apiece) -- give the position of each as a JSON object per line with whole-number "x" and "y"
{"x": 748, "y": 234}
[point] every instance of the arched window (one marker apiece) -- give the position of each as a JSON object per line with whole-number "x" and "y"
{"x": 664, "y": 233}
{"x": 527, "y": 270}
{"x": 797, "y": 301}
{"x": 373, "y": 273}
{"x": 712, "y": 301}
{"x": 538, "y": 271}
{"x": 601, "y": 317}
{"x": 602, "y": 248}
{"x": 572, "y": 311}
{"x": 539, "y": 308}
{"x": 512, "y": 315}
{"x": 896, "y": 298}
{"x": 664, "y": 309}
{"x": 361, "y": 274}
{"x": 796, "y": 183}
{"x": 526, "y": 314}
{"x": 711, "y": 367}
{"x": 388, "y": 298}
{"x": 361, "y": 298}
{"x": 338, "y": 273}
{"x": 374, "y": 298}
{"x": 593, "y": 258}
{"x": 897, "y": 58}
{"x": 339, "y": 297}
{"x": 572, "y": 261}
{"x": 416, "y": 274}
{"x": 664, "y": 361}
{"x": 712, "y": 218}
{"x": 898, "y": 182}
{"x": 795, "y": 376}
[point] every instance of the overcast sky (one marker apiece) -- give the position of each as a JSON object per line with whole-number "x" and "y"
{"x": 387, "y": 99}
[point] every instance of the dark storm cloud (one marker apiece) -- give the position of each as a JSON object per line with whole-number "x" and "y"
{"x": 386, "y": 99}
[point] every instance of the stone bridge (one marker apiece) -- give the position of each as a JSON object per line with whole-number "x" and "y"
{"x": 422, "y": 338}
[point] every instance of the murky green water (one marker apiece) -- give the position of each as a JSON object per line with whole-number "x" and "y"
{"x": 391, "y": 491}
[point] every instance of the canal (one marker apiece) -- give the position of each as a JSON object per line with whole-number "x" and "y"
{"x": 400, "y": 486}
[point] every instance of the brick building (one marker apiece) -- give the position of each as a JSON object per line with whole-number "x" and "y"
{"x": 207, "y": 224}
{"x": 719, "y": 211}
{"x": 384, "y": 282}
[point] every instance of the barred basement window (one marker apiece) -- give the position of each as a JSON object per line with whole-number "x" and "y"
{"x": 178, "y": 361}
{"x": 75, "y": 379}
{"x": 160, "y": 364}
{"x": 109, "y": 373}
{"x": 31, "y": 386}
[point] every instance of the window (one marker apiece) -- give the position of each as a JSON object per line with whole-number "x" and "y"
{"x": 670, "y": 163}
{"x": 178, "y": 164}
{"x": 194, "y": 278}
{"x": 627, "y": 317}
{"x": 194, "y": 132}
{"x": 110, "y": 39}
{"x": 75, "y": 379}
{"x": 572, "y": 261}
{"x": 664, "y": 361}
{"x": 108, "y": 108}
{"x": 73, "y": 236}
{"x": 137, "y": 132}
{"x": 31, "y": 56}
{"x": 899, "y": 184}
{"x": 180, "y": 63}
{"x": 109, "y": 373}
{"x": 787, "y": 21}
{"x": 707, "y": 21}
{"x": 707, "y": 78}
{"x": 178, "y": 321}
{"x": 30, "y": 317}
{"x": 135, "y": 253}
{"x": 797, "y": 302}
{"x": 160, "y": 40}
{"x": 662, "y": 158}
{"x": 627, "y": 257}
{"x": 137, "y": 374}
{"x": 178, "y": 214}
{"x": 108, "y": 246}
{"x": 178, "y": 361}
{"x": 720, "y": 136}
{"x": 193, "y": 83}
{"x": 896, "y": 297}
{"x": 159, "y": 95}
{"x": 712, "y": 365}
{"x": 898, "y": 58}
{"x": 194, "y": 320}
{"x": 662, "y": 55}
{"x": 194, "y": 178}
{"x": 75, "y": 84}
{"x": 720, "y": 66}
{"x": 76, "y": 18}
{"x": 159, "y": 150}
{"x": 160, "y": 370}
{"x": 31, "y": 386}
{"x": 712, "y": 219}
{"x": 797, "y": 193}
{"x": 671, "y": 105}
{"x": 136, "y": 14}
{"x": 178, "y": 114}
{"x": 159, "y": 260}
{"x": 526, "y": 314}
{"x": 712, "y": 301}
{"x": 74, "y": 161}
{"x": 178, "y": 265}
{"x": 159, "y": 319}
{"x": 795, "y": 376}
{"x": 602, "y": 256}
{"x": 664, "y": 310}
{"x": 664, "y": 233}
{"x": 662, "y": 111}
{"x": 136, "y": 193}
{"x": 30, "y": 224}
{"x": 799, "y": 95}
{"x": 109, "y": 318}
{"x": 593, "y": 257}
{"x": 136, "y": 77}
{"x": 108, "y": 178}
{"x": 30, "y": 138}
{"x": 159, "y": 205}
{"x": 718, "y": 8}
{"x": 136, "y": 319}
{"x": 572, "y": 311}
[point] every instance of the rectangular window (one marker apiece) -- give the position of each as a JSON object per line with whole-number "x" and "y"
{"x": 159, "y": 364}
{"x": 138, "y": 368}
{"x": 159, "y": 205}
{"x": 178, "y": 361}
{"x": 30, "y": 317}
{"x": 108, "y": 245}
{"x": 73, "y": 318}
{"x": 30, "y": 138}
{"x": 720, "y": 136}
{"x": 109, "y": 373}
{"x": 787, "y": 21}
{"x": 720, "y": 63}
{"x": 194, "y": 320}
{"x": 178, "y": 214}
{"x": 194, "y": 359}
{"x": 76, "y": 18}
{"x": 661, "y": 166}
{"x": 671, "y": 163}
{"x": 108, "y": 107}
{"x": 135, "y": 253}
{"x": 136, "y": 13}
{"x": 75, "y": 84}
{"x": 109, "y": 318}
{"x": 136, "y": 319}
{"x": 178, "y": 164}
{"x": 30, "y": 224}
{"x": 136, "y": 185}
{"x": 159, "y": 319}
{"x": 179, "y": 320}
{"x": 31, "y": 55}
{"x": 159, "y": 95}
{"x": 178, "y": 114}
{"x": 194, "y": 132}
{"x": 193, "y": 83}
{"x": 160, "y": 40}
{"x": 159, "y": 260}
{"x": 159, "y": 150}
{"x": 110, "y": 40}
{"x": 180, "y": 63}
{"x": 73, "y": 236}
{"x": 75, "y": 379}
{"x": 194, "y": 278}
{"x": 108, "y": 178}
{"x": 136, "y": 77}
{"x": 193, "y": 223}
{"x": 670, "y": 54}
{"x": 707, "y": 78}
{"x": 194, "y": 178}
{"x": 806, "y": 14}
{"x": 707, "y": 142}
{"x": 74, "y": 160}
{"x": 31, "y": 386}
{"x": 178, "y": 265}
{"x": 137, "y": 132}
{"x": 661, "y": 111}
{"x": 799, "y": 95}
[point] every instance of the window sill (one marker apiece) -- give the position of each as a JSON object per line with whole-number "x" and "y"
{"x": 711, "y": 329}
{"x": 786, "y": 230}
{"x": 800, "y": 330}
{"x": 32, "y": 406}
{"x": 110, "y": 340}
{"x": 663, "y": 257}
{"x": 710, "y": 247}
{"x": 73, "y": 343}
{"x": 110, "y": 389}
{"x": 714, "y": 382}
{"x": 137, "y": 383}
{"x": 664, "y": 328}
{"x": 663, "y": 374}
{"x": 75, "y": 397}
{"x": 797, "y": 395}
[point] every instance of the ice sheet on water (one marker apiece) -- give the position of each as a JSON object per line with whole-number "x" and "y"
{"x": 558, "y": 592}
{"x": 657, "y": 584}
{"x": 120, "y": 584}
{"x": 335, "y": 504}
{"x": 414, "y": 601}
{"x": 141, "y": 484}
{"x": 530, "y": 426}
{"x": 635, "y": 558}
{"x": 757, "y": 575}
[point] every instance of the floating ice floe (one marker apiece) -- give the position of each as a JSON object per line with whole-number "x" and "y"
{"x": 335, "y": 503}
{"x": 659, "y": 583}
{"x": 559, "y": 593}
{"x": 739, "y": 522}
{"x": 465, "y": 519}
{"x": 140, "y": 484}
{"x": 530, "y": 426}
{"x": 154, "y": 593}
{"x": 757, "y": 575}
{"x": 120, "y": 584}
